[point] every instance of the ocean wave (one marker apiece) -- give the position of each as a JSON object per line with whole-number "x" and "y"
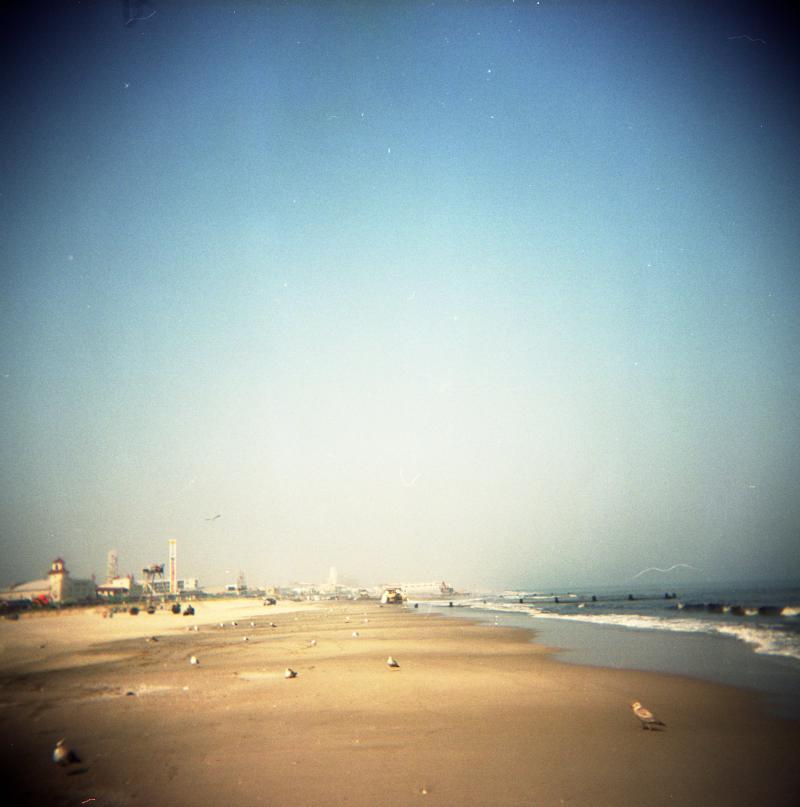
{"x": 769, "y": 641}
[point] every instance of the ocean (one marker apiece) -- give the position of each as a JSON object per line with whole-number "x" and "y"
{"x": 742, "y": 634}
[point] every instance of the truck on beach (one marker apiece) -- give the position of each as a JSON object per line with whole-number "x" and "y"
{"x": 392, "y": 595}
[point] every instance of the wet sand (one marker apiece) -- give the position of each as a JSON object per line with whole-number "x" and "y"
{"x": 475, "y": 715}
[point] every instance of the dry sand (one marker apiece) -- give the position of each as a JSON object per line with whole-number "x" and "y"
{"x": 475, "y": 715}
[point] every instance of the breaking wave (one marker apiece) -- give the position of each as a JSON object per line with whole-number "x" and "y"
{"x": 772, "y": 639}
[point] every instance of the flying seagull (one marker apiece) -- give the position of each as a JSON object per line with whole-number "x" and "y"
{"x": 214, "y": 518}
{"x": 392, "y": 663}
{"x": 63, "y": 755}
{"x": 410, "y": 484}
{"x": 665, "y": 571}
{"x": 647, "y": 718}
{"x": 289, "y": 673}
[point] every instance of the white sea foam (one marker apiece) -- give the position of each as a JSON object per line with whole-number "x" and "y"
{"x": 765, "y": 640}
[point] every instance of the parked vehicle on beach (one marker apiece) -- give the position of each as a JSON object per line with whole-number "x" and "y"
{"x": 392, "y": 596}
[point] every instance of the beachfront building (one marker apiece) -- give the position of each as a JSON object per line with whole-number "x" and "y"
{"x": 58, "y": 588}
{"x": 184, "y": 584}
{"x": 436, "y": 589}
{"x": 32, "y": 591}
{"x": 120, "y": 588}
{"x": 66, "y": 589}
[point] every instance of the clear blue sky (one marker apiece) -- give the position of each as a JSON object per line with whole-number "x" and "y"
{"x": 505, "y": 293}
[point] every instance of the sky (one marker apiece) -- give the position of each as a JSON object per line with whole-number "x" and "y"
{"x": 500, "y": 293}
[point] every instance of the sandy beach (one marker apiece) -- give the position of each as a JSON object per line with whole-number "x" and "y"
{"x": 475, "y": 715}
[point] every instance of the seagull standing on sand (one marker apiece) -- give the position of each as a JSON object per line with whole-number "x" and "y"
{"x": 290, "y": 673}
{"x": 647, "y": 718}
{"x": 194, "y": 660}
{"x": 63, "y": 755}
{"x": 390, "y": 662}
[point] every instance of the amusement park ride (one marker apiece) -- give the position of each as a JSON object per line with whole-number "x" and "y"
{"x": 151, "y": 573}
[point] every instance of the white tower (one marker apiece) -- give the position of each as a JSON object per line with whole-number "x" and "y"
{"x": 173, "y": 566}
{"x": 112, "y": 569}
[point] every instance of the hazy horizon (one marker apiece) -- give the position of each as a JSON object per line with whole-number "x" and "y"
{"x": 484, "y": 292}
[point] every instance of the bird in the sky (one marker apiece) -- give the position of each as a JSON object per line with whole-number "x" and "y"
{"x": 63, "y": 755}
{"x": 390, "y": 662}
{"x": 214, "y": 518}
{"x": 413, "y": 481}
{"x": 647, "y": 718}
{"x": 289, "y": 673}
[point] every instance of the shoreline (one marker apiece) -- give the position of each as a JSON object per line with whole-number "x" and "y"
{"x": 475, "y": 714}
{"x": 706, "y": 657}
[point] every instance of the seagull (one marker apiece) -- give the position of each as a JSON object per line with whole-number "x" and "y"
{"x": 410, "y": 484}
{"x": 392, "y": 663}
{"x": 235, "y": 624}
{"x": 273, "y": 625}
{"x": 355, "y": 634}
{"x": 312, "y": 643}
{"x": 647, "y": 718}
{"x": 252, "y": 624}
{"x": 246, "y": 638}
{"x": 665, "y": 571}
{"x": 290, "y": 673}
{"x": 63, "y": 755}
{"x": 214, "y": 518}
{"x": 194, "y": 660}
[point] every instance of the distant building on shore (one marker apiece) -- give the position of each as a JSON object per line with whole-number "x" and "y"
{"x": 58, "y": 588}
{"x": 121, "y": 588}
{"x": 181, "y": 584}
{"x": 437, "y": 589}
